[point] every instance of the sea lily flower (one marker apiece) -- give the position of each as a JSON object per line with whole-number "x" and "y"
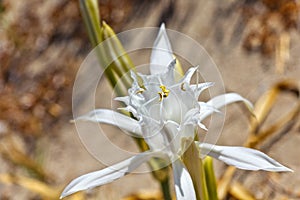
{"x": 166, "y": 112}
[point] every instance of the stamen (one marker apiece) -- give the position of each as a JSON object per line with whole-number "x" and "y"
{"x": 140, "y": 91}
{"x": 181, "y": 87}
{"x": 164, "y": 92}
{"x": 160, "y": 96}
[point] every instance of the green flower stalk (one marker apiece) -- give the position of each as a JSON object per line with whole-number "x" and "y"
{"x": 97, "y": 34}
{"x": 91, "y": 16}
{"x": 210, "y": 178}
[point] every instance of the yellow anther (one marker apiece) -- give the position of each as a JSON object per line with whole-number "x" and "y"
{"x": 160, "y": 96}
{"x": 140, "y": 91}
{"x": 164, "y": 92}
{"x": 182, "y": 88}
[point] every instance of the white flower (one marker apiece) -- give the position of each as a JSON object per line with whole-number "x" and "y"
{"x": 167, "y": 111}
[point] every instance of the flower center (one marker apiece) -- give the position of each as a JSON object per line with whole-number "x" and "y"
{"x": 164, "y": 92}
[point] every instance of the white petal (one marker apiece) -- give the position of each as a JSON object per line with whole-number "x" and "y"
{"x": 243, "y": 158}
{"x": 204, "y": 107}
{"x": 202, "y": 126}
{"x": 161, "y": 55}
{"x": 169, "y": 78}
{"x": 191, "y": 116}
{"x": 223, "y": 100}
{"x": 152, "y": 133}
{"x": 108, "y": 174}
{"x": 199, "y": 88}
{"x": 184, "y": 187}
{"x": 135, "y": 79}
{"x": 188, "y": 75}
{"x": 124, "y": 99}
{"x": 129, "y": 109}
{"x": 137, "y": 82}
{"x": 172, "y": 136}
{"x": 113, "y": 118}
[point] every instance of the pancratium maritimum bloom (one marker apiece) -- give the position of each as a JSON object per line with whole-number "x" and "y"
{"x": 167, "y": 112}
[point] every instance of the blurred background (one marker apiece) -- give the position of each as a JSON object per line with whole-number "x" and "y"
{"x": 255, "y": 44}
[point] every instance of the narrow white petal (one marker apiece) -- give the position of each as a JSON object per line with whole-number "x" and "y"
{"x": 204, "y": 107}
{"x": 223, "y": 100}
{"x": 134, "y": 77}
{"x": 124, "y": 99}
{"x": 108, "y": 174}
{"x": 191, "y": 116}
{"x": 184, "y": 187}
{"x": 129, "y": 109}
{"x": 113, "y": 118}
{"x": 199, "y": 88}
{"x": 172, "y": 136}
{"x": 243, "y": 158}
{"x": 202, "y": 126}
{"x": 169, "y": 77}
{"x": 161, "y": 55}
{"x": 188, "y": 75}
{"x": 151, "y": 133}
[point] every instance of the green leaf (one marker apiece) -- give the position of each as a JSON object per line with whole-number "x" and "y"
{"x": 91, "y": 16}
{"x": 210, "y": 178}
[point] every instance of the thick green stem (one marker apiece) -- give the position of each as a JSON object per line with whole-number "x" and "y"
{"x": 210, "y": 178}
{"x": 165, "y": 188}
{"x": 160, "y": 170}
{"x": 91, "y": 16}
{"x": 118, "y": 55}
{"x": 194, "y": 165}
